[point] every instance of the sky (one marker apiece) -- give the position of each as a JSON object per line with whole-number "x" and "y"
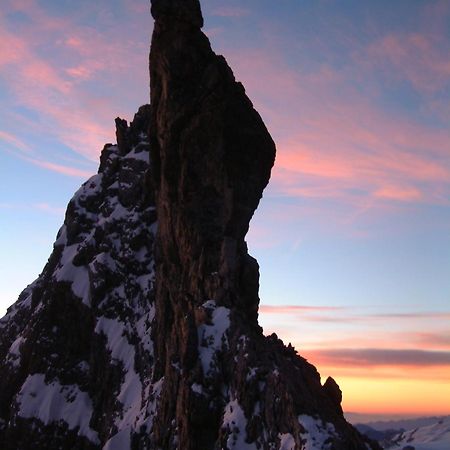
{"x": 353, "y": 233}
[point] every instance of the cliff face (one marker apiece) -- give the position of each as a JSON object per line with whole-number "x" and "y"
{"x": 142, "y": 332}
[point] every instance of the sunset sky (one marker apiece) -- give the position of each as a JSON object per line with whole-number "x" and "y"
{"x": 353, "y": 233}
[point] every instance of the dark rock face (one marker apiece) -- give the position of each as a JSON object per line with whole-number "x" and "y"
{"x": 141, "y": 332}
{"x": 212, "y": 159}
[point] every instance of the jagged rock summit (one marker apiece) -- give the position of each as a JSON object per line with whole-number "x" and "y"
{"x": 141, "y": 332}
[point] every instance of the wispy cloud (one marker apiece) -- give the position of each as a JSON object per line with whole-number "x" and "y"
{"x": 290, "y": 309}
{"x": 61, "y": 169}
{"x": 340, "y": 313}
{"x": 41, "y": 206}
{"x": 230, "y": 11}
{"x": 352, "y": 341}
{"x": 65, "y": 87}
{"x": 369, "y": 357}
{"x": 47, "y": 208}
{"x": 415, "y": 57}
{"x": 339, "y": 141}
{"x": 14, "y": 141}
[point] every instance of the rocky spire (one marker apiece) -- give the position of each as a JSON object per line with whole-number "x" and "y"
{"x": 187, "y": 11}
{"x": 141, "y": 332}
{"x": 212, "y": 158}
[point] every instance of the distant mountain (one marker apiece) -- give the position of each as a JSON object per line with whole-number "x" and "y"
{"x": 404, "y": 424}
{"x": 435, "y": 436}
{"x": 384, "y": 437}
{"x": 424, "y": 433}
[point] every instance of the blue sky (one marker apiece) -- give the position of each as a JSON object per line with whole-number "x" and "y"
{"x": 353, "y": 230}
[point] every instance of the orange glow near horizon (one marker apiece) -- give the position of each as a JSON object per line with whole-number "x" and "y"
{"x": 400, "y": 390}
{"x": 395, "y": 396}
{"x": 382, "y": 363}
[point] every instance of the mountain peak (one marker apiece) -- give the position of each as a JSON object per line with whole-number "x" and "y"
{"x": 174, "y": 11}
{"x": 142, "y": 331}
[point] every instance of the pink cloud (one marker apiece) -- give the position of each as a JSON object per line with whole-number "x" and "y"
{"x": 79, "y": 72}
{"x": 230, "y": 11}
{"x": 337, "y": 136}
{"x": 39, "y": 74}
{"x": 414, "y": 57}
{"x": 434, "y": 340}
{"x": 61, "y": 87}
{"x": 59, "y": 168}
{"x": 294, "y": 309}
{"x": 380, "y": 357}
{"x": 12, "y": 48}
{"x": 346, "y": 314}
{"x": 45, "y": 207}
{"x": 14, "y": 141}
{"x": 402, "y": 193}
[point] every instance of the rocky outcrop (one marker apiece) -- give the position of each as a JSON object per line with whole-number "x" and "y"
{"x": 142, "y": 332}
{"x": 76, "y": 348}
{"x": 212, "y": 158}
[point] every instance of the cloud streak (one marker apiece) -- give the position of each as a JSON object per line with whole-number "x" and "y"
{"x": 346, "y": 314}
{"x": 370, "y": 357}
{"x": 61, "y": 169}
{"x": 65, "y": 87}
{"x": 14, "y": 141}
{"x": 294, "y": 309}
{"x": 338, "y": 141}
{"x": 230, "y": 11}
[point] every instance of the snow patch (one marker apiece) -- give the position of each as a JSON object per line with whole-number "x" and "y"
{"x": 316, "y": 433}
{"x": 120, "y": 441}
{"x": 212, "y": 336}
{"x": 251, "y": 373}
{"x": 142, "y": 155}
{"x": 429, "y": 437}
{"x": 235, "y": 422}
{"x": 78, "y": 276}
{"x": 55, "y": 402}
{"x": 197, "y": 388}
{"x": 14, "y": 351}
{"x": 131, "y": 389}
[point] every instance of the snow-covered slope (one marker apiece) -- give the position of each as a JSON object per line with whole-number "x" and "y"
{"x": 77, "y": 345}
{"x": 429, "y": 437}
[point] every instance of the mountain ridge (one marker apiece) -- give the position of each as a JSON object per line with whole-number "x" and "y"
{"x": 141, "y": 332}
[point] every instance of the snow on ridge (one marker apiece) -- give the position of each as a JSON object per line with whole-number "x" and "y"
{"x": 429, "y": 437}
{"x": 121, "y": 350}
{"x": 77, "y": 275}
{"x": 111, "y": 212}
{"x": 316, "y": 433}
{"x": 24, "y": 302}
{"x": 212, "y": 336}
{"x": 13, "y": 355}
{"x": 139, "y": 154}
{"x": 55, "y": 402}
{"x": 102, "y": 225}
{"x": 152, "y": 396}
{"x": 235, "y": 422}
